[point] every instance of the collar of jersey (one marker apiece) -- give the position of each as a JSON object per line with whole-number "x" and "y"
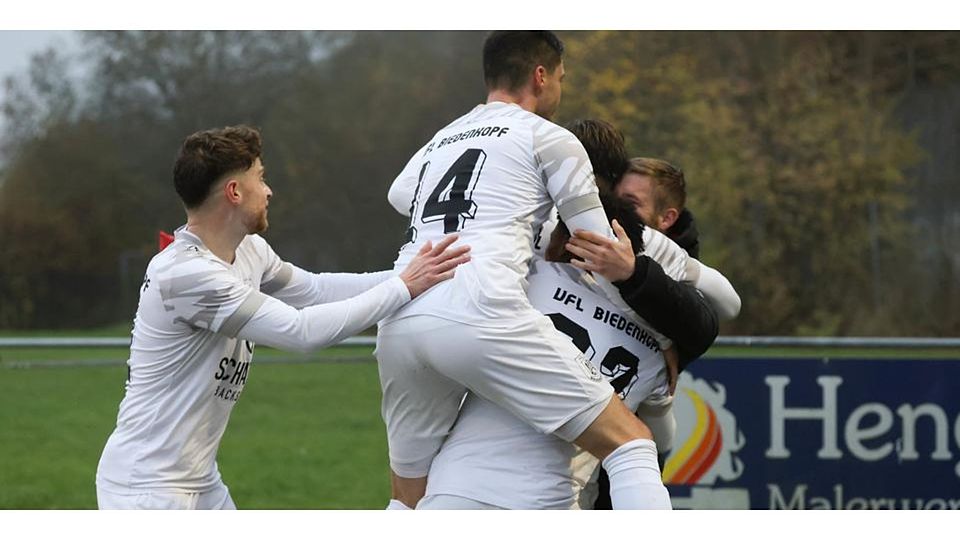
{"x": 187, "y": 237}
{"x": 499, "y": 104}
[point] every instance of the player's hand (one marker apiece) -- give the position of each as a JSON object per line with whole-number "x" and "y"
{"x": 612, "y": 259}
{"x": 434, "y": 264}
{"x": 672, "y": 360}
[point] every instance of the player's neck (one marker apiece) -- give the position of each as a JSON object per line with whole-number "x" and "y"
{"x": 218, "y": 232}
{"x": 525, "y": 100}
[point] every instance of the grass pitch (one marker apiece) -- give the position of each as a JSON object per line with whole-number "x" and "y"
{"x": 306, "y": 434}
{"x": 302, "y": 436}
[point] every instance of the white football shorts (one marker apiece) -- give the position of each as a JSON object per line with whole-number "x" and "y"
{"x": 453, "y": 502}
{"x": 525, "y": 366}
{"x": 217, "y": 498}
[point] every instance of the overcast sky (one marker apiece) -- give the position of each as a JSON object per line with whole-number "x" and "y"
{"x": 16, "y": 46}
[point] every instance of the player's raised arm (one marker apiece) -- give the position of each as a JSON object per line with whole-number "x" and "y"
{"x": 718, "y": 290}
{"x": 610, "y": 260}
{"x": 570, "y": 182}
{"x": 568, "y": 173}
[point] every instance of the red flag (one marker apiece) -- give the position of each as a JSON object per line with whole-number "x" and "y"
{"x": 163, "y": 240}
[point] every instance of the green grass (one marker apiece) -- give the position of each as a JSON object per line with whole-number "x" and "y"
{"x": 308, "y": 436}
{"x": 302, "y": 436}
{"x": 53, "y": 424}
{"x": 11, "y": 357}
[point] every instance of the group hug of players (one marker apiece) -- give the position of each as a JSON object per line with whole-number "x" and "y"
{"x": 529, "y": 335}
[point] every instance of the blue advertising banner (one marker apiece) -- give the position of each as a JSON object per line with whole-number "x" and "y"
{"x": 799, "y": 434}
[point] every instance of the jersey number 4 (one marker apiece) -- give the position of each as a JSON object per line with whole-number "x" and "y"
{"x": 450, "y": 200}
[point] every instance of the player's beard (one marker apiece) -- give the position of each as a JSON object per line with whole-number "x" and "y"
{"x": 258, "y": 223}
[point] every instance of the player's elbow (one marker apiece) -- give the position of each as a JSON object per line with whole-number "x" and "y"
{"x": 397, "y": 199}
{"x": 720, "y": 293}
{"x": 729, "y": 308}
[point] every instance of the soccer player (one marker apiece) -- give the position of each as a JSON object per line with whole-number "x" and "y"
{"x": 493, "y": 175}
{"x": 493, "y": 460}
{"x": 676, "y": 309}
{"x": 206, "y": 301}
{"x": 658, "y": 191}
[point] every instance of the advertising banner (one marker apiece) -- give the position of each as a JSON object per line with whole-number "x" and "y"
{"x": 800, "y": 434}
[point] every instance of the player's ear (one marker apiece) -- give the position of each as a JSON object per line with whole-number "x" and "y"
{"x": 539, "y": 79}
{"x": 231, "y": 190}
{"x": 668, "y": 218}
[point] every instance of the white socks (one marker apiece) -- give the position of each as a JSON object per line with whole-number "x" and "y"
{"x": 397, "y": 505}
{"x": 635, "y": 482}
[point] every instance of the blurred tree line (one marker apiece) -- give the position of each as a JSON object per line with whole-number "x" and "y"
{"x": 821, "y": 166}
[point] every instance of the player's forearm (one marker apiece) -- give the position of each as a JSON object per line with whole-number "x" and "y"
{"x": 678, "y": 265}
{"x": 718, "y": 291}
{"x": 673, "y": 308}
{"x": 307, "y": 289}
{"x": 585, "y": 213}
{"x": 278, "y": 325}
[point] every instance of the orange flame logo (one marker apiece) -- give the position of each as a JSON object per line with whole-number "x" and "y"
{"x": 700, "y": 451}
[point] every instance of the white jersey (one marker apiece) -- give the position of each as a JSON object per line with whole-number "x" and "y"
{"x": 493, "y": 457}
{"x": 186, "y": 368}
{"x": 193, "y": 341}
{"x": 492, "y": 175}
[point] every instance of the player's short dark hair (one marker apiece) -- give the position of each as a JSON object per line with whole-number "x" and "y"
{"x": 605, "y": 147}
{"x": 509, "y": 56}
{"x": 621, "y": 210}
{"x": 206, "y": 156}
{"x": 670, "y": 187}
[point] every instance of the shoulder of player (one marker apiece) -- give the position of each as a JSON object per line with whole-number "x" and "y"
{"x": 257, "y": 251}
{"x": 544, "y": 135}
{"x": 186, "y": 266}
{"x": 256, "y": 244}
{"x": 545, "y": 130}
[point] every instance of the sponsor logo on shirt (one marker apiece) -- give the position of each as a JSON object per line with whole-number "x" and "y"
{"x": 590, "y": 369}
{"x": 232, "y": 374}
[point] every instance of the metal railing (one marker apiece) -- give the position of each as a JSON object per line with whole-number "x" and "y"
{"x": 369, "y": 341}
{"x": 40, "y": 343}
